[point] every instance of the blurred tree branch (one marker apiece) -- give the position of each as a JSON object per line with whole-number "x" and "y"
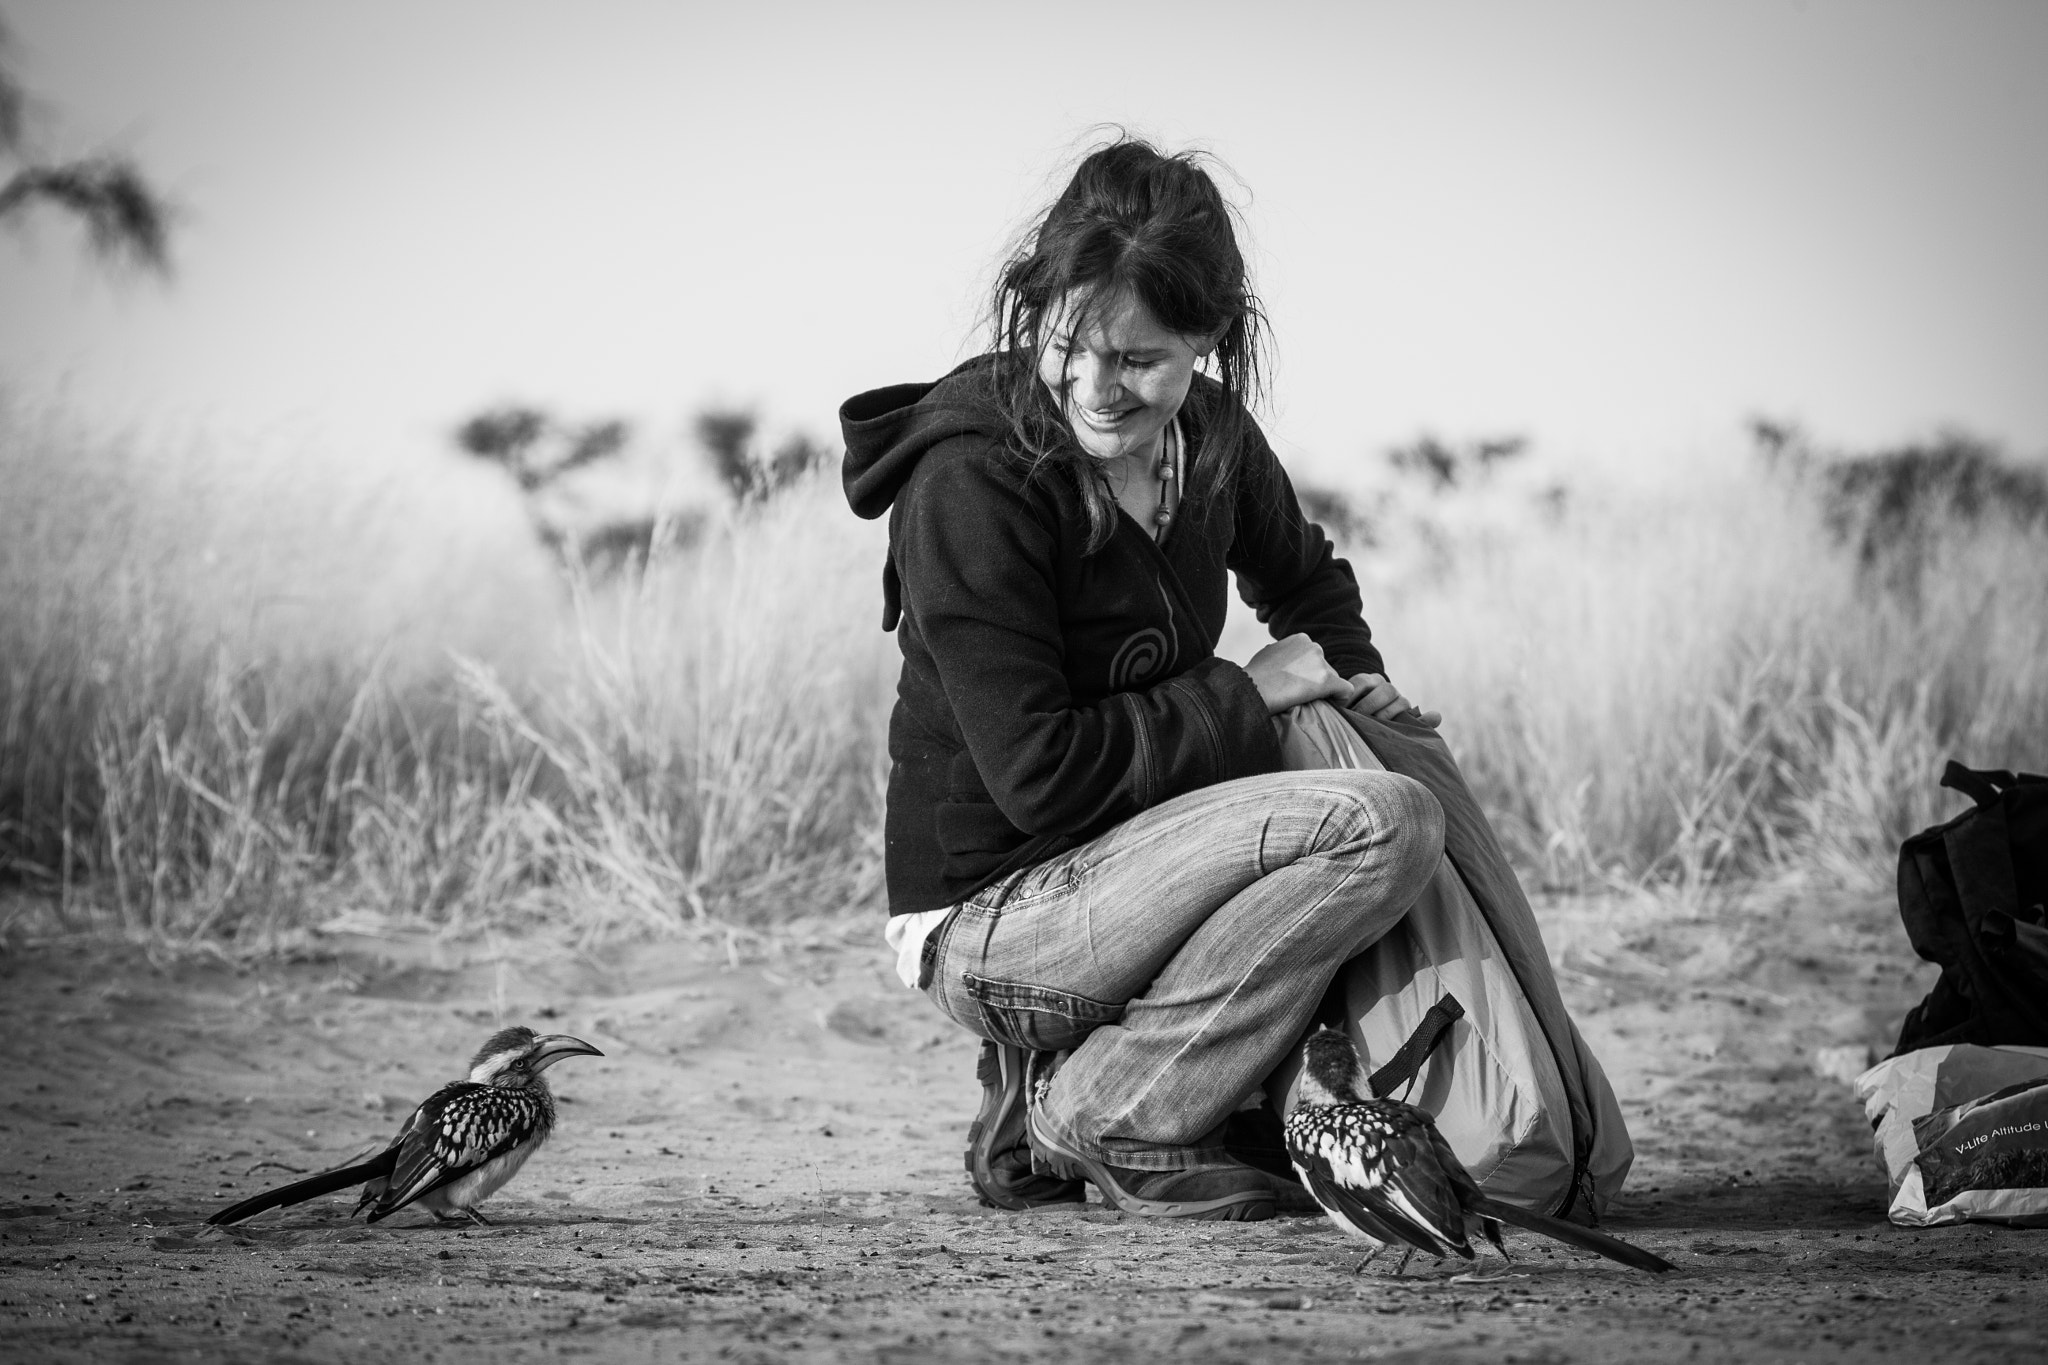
{"x": 728, "y": 439}
{"x": 126, "y": 219}
{"x": 1443, "y": 467}
{"x": 515, "y": 438}
{"x": 537, "y": 449}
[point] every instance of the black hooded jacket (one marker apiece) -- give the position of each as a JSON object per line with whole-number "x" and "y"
{"x": 1048, "y": 693}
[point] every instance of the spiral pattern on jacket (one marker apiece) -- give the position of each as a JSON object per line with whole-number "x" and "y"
{"x": 1137, "y": 659}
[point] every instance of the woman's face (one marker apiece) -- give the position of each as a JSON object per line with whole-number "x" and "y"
{"x": 1121, "y": 380}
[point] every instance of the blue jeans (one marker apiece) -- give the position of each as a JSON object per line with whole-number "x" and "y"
{"x": 1183, "y": 953}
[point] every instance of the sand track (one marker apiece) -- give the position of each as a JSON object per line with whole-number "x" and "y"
{"x": 766, "y": 1166}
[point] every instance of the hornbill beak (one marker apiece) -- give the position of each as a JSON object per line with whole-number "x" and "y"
{"x": 551, "y": 1048}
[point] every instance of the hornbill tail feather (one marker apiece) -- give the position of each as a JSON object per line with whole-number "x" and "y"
{"x": 312, "y": 1187}
{"x": 1586, "y": 1239}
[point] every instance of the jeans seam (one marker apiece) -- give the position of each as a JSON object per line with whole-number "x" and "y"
{"x": 1005, "y": 1009}
{"x": 999, "y": 899}
{"x": 1052, "y": 995}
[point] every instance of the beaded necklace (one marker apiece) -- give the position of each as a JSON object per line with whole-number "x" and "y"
{"x": 1168, "y": 473}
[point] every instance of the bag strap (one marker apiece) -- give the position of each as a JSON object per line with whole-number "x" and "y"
{"x": 1981, "y": 785}
{"x": 1408, "y": 1058}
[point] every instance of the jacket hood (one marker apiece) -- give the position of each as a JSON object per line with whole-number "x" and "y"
{"x": 887, "y": 431}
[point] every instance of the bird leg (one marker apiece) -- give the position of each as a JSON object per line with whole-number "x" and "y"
{"x": 1491, "y": 1228}
{"x": 460, "y": 1218}
{"x": 1407, "y": 1254}
{"x": 1377, "y": 1248}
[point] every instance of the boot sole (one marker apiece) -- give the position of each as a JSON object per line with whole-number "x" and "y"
{"x": 1247, "y": 1206}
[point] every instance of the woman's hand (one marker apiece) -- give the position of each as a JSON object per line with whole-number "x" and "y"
{"x": 1380, "y": 699}
{"x": 1292, "y": 671}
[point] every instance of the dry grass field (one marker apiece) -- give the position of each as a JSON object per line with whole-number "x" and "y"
{"x": 300, "y": 793}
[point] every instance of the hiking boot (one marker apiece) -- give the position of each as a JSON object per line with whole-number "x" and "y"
{"x": 998, "y": 1150}
{"x": 1222, "y": 1190}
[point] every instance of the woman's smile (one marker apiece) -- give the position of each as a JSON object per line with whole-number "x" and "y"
{"x": 1104, "y": 421}
{"x": 1119, "y": 376}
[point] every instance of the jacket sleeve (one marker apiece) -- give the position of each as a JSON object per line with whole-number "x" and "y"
{"x": 1287, "y": 571}
{"x": 979, "y": 555}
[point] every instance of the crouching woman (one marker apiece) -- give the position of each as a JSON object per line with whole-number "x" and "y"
{"x": 1091, "y": 847}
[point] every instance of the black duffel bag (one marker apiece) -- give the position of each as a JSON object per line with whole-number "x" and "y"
{"x": 1974, "y": 896}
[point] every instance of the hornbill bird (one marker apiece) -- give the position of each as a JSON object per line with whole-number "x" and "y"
{"x": 458, "y": 1147}
{"x": 1383, "y": 1172}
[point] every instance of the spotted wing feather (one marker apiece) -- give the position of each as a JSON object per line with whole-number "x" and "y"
{"x": 1349, "y": 1211}
{"x": 1368, "y": 1167}
{"x": 1427, "y": 1175}
{"x": 460, "y": 1127}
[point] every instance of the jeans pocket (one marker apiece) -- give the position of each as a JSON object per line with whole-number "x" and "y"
{"x": 1036, "y": 1017}
{"x": 1022, "y": 890}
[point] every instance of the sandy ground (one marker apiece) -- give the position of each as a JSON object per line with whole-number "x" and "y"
{"x": 766, "y": 1166}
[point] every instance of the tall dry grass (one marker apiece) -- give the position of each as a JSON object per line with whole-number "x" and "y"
{"x": 444, "y": 731}
{"x": 1694, "y": 684}
{"x": 230, "y": 709}
{"x": 713, "y": 747}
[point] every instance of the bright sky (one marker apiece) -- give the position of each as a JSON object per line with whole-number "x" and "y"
{"x": 1617, "y": 228}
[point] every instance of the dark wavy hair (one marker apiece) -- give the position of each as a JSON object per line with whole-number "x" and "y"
{"x": 1132, "y": 223}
